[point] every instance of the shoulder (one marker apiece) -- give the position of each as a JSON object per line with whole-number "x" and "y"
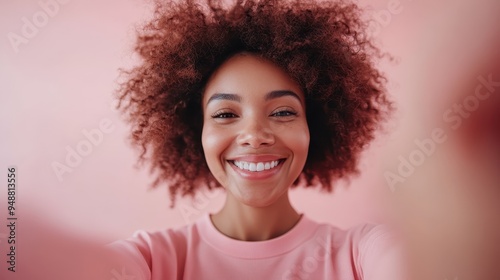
{"x": 146, "y": 250}
{"x": 368, "y": 248}
{"x": 145, "y": 242}
{"x": 379, "y": 252}
{"x": 361, "y": 235}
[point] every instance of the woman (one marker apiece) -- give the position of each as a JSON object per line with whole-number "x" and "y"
{"x": 255, "y": 98}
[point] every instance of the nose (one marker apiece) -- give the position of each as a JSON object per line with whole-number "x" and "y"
{"x": 255, "y": 133}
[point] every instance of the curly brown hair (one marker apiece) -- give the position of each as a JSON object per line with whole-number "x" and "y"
{"x": 321, "y": 45}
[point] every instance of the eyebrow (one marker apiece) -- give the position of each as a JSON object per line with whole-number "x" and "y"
{"x": 270, "y": 95}
{"x": 280, "y": 93}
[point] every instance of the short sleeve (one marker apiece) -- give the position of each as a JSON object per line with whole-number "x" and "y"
{"x": 381, "y": 255}
{"x": 131, "y": 258}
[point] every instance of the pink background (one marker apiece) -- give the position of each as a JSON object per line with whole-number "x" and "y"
{"x": 61, "y": 82}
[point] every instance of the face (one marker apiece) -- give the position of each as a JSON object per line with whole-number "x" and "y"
{"x": 255, "y": 135}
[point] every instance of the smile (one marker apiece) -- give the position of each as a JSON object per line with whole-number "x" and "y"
{"x": 256, "y": 166}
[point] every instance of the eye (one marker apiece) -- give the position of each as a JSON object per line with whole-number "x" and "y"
{"x": 284, "y": 113}
{"x": 223, "y": 115}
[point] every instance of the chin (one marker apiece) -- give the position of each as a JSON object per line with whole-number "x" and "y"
{"x": 257, "y": 203}
{"x": 258, "y": 199}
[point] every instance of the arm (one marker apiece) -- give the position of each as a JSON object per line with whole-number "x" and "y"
{"x": 381, "y": 256}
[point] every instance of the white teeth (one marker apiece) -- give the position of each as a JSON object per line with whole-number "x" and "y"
{"x": 260, "y": 166}
{"x": 256, "y": 166}
{"x": 252, "y": 167}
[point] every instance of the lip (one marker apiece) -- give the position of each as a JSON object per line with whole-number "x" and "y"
{"x": 260, "y": 175}
{"x": 257, "y": 158}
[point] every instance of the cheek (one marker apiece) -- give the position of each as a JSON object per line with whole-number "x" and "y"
{"x": 299, "y": 140}
{"x": 209, "y": 143}
{"x": 214, "y": 142}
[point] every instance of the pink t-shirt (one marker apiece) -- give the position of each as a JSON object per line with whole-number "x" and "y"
{"x": 309, "y": 250}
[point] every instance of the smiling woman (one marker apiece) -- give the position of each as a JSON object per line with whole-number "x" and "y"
{"x": 321, "y": 46}
{"x": 255, "y": 141}
{"x": 256, "y": 98}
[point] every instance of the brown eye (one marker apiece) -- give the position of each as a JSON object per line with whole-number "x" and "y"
{"x": 223, "y": 115}
{"x": 284, "y": 113}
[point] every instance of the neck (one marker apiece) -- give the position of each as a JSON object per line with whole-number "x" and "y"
{"x": 247, "y": 223}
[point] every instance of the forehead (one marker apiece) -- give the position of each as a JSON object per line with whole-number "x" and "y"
{"x": 245, "y": 74}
